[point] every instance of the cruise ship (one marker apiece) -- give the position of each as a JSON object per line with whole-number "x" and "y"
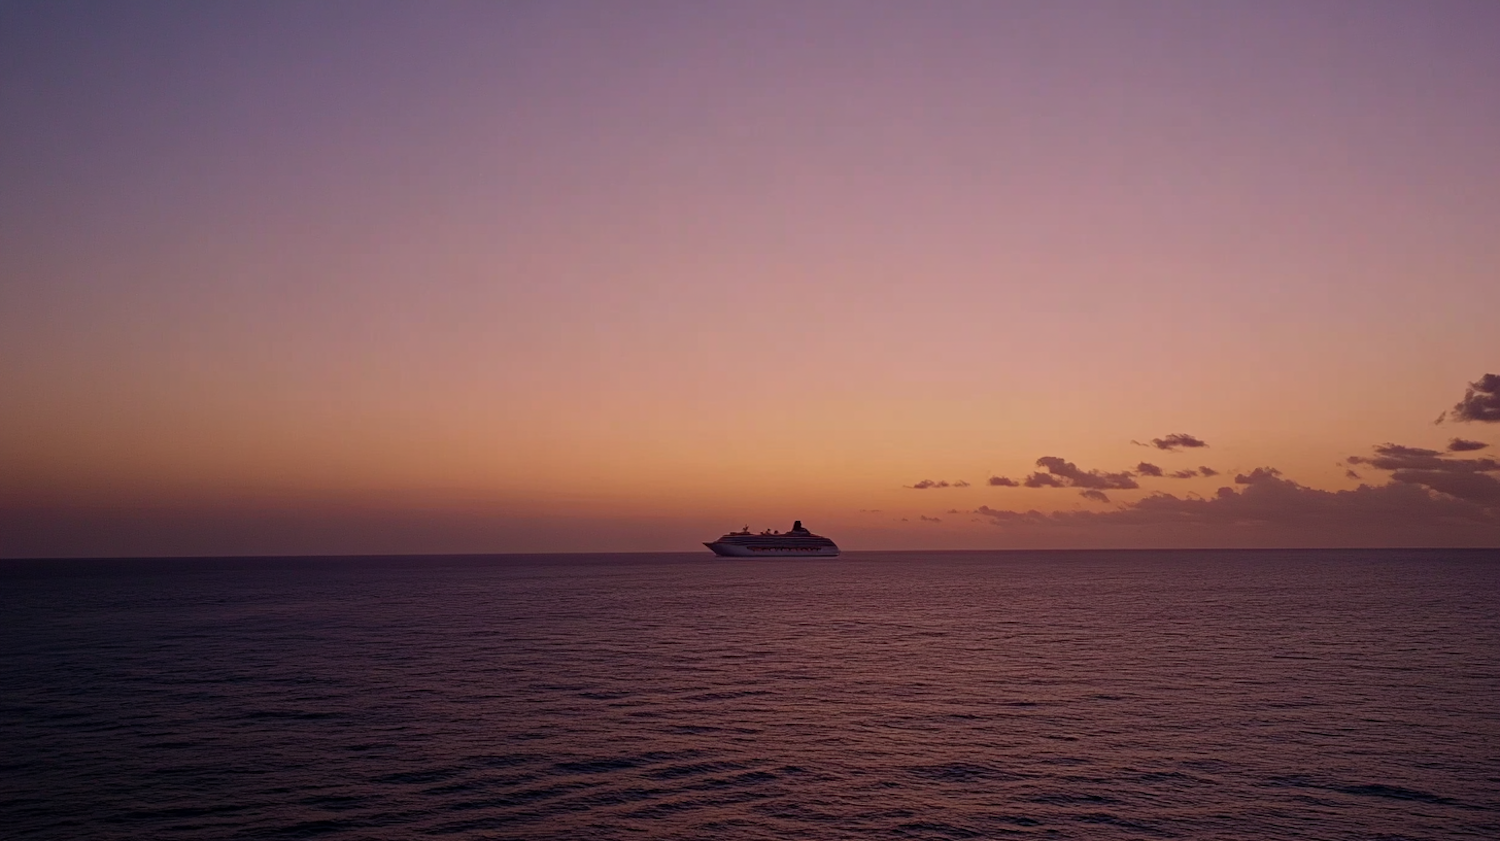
{"x": 797, "y": 542}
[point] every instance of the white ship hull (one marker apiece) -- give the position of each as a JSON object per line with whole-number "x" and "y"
{"x": 797, "y": 543}
{"x": 732, "y": 550}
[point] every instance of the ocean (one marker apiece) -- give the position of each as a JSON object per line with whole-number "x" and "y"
{"x": 1091, "y": 695}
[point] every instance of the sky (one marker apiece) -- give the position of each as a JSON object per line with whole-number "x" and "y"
{"x": 367, "y": 278}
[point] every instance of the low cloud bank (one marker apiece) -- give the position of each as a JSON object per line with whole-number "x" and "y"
{"x": 1435, "y": 497}
{"x": 1473, "y": 487}
{"x": 1267, "y": 499}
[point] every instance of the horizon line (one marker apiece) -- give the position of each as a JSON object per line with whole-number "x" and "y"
{"x": 710, "y": 556}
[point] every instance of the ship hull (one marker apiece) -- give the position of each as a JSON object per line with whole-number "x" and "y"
{"x": 739, "y": 550}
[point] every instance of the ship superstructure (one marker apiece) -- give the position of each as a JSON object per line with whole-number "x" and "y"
{"x": 799, "y": 542}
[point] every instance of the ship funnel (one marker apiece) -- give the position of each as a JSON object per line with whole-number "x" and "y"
{"x": 797, "y": 526}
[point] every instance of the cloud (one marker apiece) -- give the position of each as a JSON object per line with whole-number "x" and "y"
{"x": 1147, "y": 469}
{"x": 1351, "y": 474}
{"x": 926, "y": 484}
{"x": 1172, "y": 443}
{"x": 1079, "y": 479}
{"x": 1097, "y": 496}
{"x": 1257, "y": 476}
{"x": 1208, "y": 471}
{"x": 1269, "y": 509}
{"x": 1471, "y": 487}
{"x": 1463, "y": 478}
{"x": 1004, "y": 482}
{"x": 1481, "y": 401}
{"x": 1461, "y": 445}
{"x": 1399, "y": 451}
{"x": 1398, "y": 457}
{"x": 1183, "y": 474}
{"x": 930, "y": 519}
{"x": 1044, "y": 480}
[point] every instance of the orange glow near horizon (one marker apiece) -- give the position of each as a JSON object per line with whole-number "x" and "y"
{"x": 574, "y": 270}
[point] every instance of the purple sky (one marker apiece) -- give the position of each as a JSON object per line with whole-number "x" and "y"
{"x": 360, "y": 277}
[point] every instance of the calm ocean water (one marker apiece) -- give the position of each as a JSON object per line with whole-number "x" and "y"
{"x": 1256, "y": 695}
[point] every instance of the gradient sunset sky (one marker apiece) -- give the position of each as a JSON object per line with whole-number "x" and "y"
{"x": 562, "y": 276}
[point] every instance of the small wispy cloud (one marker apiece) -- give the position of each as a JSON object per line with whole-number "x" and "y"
{"x": 929, "y": 484}
{"x": 1174, "y": 442}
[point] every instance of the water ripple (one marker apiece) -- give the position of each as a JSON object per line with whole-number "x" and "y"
{"x": 1265, "y": 695}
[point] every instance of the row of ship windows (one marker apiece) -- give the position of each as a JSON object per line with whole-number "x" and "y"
{"x": 803, "y": 541}
{"x": 777, "y": 545}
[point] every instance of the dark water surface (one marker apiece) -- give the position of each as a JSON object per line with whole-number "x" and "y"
{"x": 966, "y": 695}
